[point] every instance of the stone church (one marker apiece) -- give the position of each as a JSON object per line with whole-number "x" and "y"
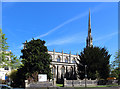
{"x": 64, "y": 65}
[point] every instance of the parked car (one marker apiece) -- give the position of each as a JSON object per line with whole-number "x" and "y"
{"x": 3, "y": 86}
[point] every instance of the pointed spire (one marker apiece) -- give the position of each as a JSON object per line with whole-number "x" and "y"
{"x": 24, "y": 46}
{"x": 53, "y": 54}
{"x": 62, "y": 55}
{"x": 70, "y": 52}
{"x": 53, "y": 50}
{"x": 62, "y": 51}
{"x": 89, "y": 22}
{"x": 26, "y": 41}
{"x": 77, "y": 54}
{"x": 89, "y": 38}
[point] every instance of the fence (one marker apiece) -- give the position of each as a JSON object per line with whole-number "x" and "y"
{"x": 78, "y": 83}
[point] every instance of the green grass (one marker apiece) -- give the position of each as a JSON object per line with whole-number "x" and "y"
{"x": 59, "y": 85}
{"x": 96, "y": 86}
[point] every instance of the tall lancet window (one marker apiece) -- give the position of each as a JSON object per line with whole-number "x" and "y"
{"x": 73, "y": 60}
{"x": 54, "y": 71}
{"x": 66, "y": 59}
{"x": 62, "y": 70}
{"x": 58, "y": 59}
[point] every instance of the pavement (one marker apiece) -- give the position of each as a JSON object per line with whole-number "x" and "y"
{"x": 115, "y": 87}
{"x": 104, "y": 88}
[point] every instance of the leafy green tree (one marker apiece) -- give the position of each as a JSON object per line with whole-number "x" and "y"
{"x": 3, "y": 47}
{"x": 35, "y": 58}
{"x": 14, "y": 62}
{"x": 97, "y": 61}
{"x": 4, "y": 61}
{"x": 115, "y": 67}
{"x": 115, "y": 73}
{"x": 13, "y": 77}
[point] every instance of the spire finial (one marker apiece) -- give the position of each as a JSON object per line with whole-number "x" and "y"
{"x": 77, "y": 54}
{"x": 53, "y": 50}
{"x": 26, "y": 41}
{"x": 70, "y": 51}
{"x": 89, "y": 22}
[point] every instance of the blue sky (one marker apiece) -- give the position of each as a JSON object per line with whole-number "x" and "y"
{"x": 63, "y": 25}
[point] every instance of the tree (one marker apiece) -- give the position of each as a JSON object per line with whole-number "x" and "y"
{"x": 115, "y": 67}
{"x": 35, "y": 58}
{"x": 3, "y": 47}
{"x": 97, "y": 61}
{"x": 115, "y": 73}
{"x": 13, "y": 77}
{"x": 14, "y": 62}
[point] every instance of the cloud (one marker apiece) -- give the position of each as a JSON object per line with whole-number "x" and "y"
{"x": 78, "y": 38}
{"x": 67, "y": 22}
{"x": 106, "y": 36}
{"x": 81, "y": 15}
{"x": 62, "y": 24}
{"x": 59, "y": 26}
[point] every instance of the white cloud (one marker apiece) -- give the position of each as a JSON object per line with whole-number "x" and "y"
{"x": 67, "y": 22}
{"x": 62, "y": 24}
{"x": 97, "y": 8}
{"x": 78, "y": 38}
{"x": 106, "y": 36}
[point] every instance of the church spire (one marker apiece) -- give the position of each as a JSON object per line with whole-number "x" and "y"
{"x": 89, "y": 24}
{"x": 89, "y": 38}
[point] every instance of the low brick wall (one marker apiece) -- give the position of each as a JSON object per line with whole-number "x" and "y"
{"x": 78, "y": 83}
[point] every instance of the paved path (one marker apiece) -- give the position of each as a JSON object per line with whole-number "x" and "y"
{"x": 104, "y": 88}
{"x": 75, "y": 88}
{"x": 90, "y": 88}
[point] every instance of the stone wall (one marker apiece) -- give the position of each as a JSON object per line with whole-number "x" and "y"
{"x": 78, "y": 83}
{"x": 38, "y": 84}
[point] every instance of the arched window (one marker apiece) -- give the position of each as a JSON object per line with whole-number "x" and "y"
{"x": 54, "y": 71}
{"x": 73, "y": 61}
{"x": 58, "y": 59}
{"x": 66, "y": 60}
{"x": 62, "y": 70}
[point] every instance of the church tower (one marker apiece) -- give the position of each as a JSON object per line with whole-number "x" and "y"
{"x": 89, "y": 38}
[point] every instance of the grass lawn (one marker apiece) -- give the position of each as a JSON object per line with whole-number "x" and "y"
{"x": 59, "y": 85}
{"x": 96, "y": 86}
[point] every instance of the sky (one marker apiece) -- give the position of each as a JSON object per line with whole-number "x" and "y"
{"x": 63, "y": 25}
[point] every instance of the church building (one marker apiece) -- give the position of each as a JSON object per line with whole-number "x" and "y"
{"x": 64, "y": 65}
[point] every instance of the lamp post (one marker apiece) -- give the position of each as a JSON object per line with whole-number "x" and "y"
{"x": 85, "y": 76}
